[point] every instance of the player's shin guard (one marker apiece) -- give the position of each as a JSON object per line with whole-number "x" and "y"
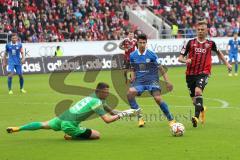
{"x": 236, "y": 67}
{"x": 132, "y": 102}
{"x": 31, "y": 126}
{"x": 165, "y": 110}
{"x": 198, "y": 105}
{"x": 9, "y": 83}
{"x": 21, "y": 82}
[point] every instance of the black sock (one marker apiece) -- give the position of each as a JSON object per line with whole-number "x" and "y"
{"x": 198, "y": 105}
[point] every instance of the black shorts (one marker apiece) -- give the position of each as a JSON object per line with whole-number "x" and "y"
{"x": 194, "y": 81}
{"x": 85, "y": 135}
{"x": 126, "y": 64}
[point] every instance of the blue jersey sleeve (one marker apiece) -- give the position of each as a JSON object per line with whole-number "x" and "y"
{"x": 6, "y": 49}
{"x": 132, "y": 57}
{"x": 155, "y": 58}
{"x": 20, "y": 46}
{"x": 229, "y": 42}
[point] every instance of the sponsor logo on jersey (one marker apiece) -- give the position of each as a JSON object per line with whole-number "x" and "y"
{"x": 207, "y": 45}
{"x": 200, "y": 50}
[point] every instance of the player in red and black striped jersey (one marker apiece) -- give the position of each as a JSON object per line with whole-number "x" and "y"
{"x": 197, "y": 54}
{"x": 129, "y": 45}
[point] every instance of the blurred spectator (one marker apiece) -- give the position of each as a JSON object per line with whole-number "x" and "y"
{"x": 58, "y": 52}
{"x": 221, "y": 31}
{"x": 190, "y": 32}
{"x": 174, "y": 30}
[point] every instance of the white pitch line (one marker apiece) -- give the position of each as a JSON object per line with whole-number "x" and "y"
{"x": 225, "y": 104}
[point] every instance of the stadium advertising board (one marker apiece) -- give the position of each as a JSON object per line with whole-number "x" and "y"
{"x": 89, "y": 62}
{"x": 101, "y": 62}
{"x": 105, "y": 47}
{"x": 61, "y": 64}
{"x": 170, "y": 59}
{"x": 31, "y": 65}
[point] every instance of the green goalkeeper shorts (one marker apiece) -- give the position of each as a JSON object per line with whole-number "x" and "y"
{"x": 55, "y": 124}
{"x": 71, "y": 128}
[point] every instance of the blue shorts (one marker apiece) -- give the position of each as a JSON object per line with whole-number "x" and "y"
{"x": 13, "y": 68}
{"x": 233, "y": 56}
{"x": 150, "y": 88}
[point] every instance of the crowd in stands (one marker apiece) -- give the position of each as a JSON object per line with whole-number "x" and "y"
{"x": 65, "y": 20}
{"x": 88, "y": 20}
{"x": 223, "y": 15}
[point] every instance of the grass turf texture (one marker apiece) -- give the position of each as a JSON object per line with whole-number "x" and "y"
{"x": 218, "y": 139}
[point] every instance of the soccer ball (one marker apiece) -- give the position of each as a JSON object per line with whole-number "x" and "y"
{"x": 177, "y": 129}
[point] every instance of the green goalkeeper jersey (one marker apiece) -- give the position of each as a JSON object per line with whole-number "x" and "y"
{"x": 84, "y": 109}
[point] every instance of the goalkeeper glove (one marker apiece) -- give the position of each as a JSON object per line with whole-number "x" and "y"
{"x": 128, "y": 112}
{"x": 122, "y": 114}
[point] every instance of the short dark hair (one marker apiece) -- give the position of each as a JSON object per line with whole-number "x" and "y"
{"x": 101, "y": 85}
{"x": 142, "y": 36}
{"x": 235, "y": 33}
{"x": 14, "y": 34}
{"x": 202, "y": 21}
{"x": 130, "y": 31}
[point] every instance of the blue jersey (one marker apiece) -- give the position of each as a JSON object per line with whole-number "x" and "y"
{"x": 234, "y": 44}
{"x": 13, "y": 51}
{"x": 146, "y": 67}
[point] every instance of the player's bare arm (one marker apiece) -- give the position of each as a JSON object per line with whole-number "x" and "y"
{"x": 111, "y": 118}
{"x": 111, "y": 111}
{"x": 23, "y": 56}
{"x": 108, "y": 119}
{"x": 221, "y": 56}
{"x": 227, "y": 49}
{"x": 5, "y": 59}
{"x": 182, "y": 59}
{"x": 165, "y": 77}
{"x": 132, "y": 76}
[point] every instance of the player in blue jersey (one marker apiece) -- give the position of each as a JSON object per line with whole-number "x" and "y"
{"x": 232, "y": 51}
{"x": 15, "y": 61}
{"x": 145, "y": 68}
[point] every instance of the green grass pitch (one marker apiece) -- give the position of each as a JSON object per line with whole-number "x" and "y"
{"x": 218, "y": 139}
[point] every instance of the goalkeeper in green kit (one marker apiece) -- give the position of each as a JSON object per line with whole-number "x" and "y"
{"x": 69, "y": 120}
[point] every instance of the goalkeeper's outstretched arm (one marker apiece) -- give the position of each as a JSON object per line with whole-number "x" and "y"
{"x": 108, "y": 118}
{"x": 109, "y": 110}
{"x": 111, "y": 118}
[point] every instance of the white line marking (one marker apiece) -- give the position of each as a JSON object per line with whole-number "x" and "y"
{"x": 224, "y": 103}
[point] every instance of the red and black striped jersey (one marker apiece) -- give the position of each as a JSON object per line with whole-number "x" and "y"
{"x": 200, "y": 54}
{"x": 129, "y": 46}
